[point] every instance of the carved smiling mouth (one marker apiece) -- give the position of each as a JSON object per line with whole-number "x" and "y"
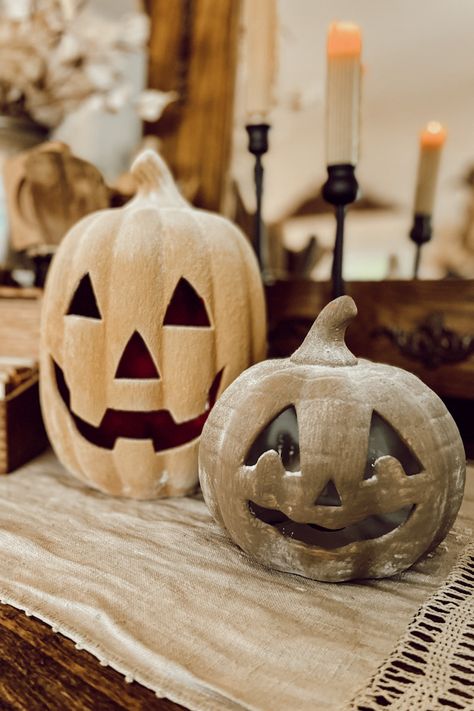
{"x": 327, "y": 538}
{"x": 157, "y": 425}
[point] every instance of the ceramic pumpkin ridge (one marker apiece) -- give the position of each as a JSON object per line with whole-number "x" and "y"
{"x": 329, "y": 466}
{"x": 149, "y": 312}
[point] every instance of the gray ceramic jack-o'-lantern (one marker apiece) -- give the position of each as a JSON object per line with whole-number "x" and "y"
{"x": 149, "y": 312}
{"x": 332, "y": 467}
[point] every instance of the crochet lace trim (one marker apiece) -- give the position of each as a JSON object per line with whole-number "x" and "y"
{"x": 432, "y": 667}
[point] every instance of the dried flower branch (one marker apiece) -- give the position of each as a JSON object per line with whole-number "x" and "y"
{"x": 52, "y": 60}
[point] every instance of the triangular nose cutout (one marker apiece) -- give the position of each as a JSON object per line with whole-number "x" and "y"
{"x": 329, "y": 496}
{"x": 136, "y": 361}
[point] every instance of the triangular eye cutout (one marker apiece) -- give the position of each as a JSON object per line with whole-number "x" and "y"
{"x": 384, "y": 440}
{"x": 281, "y": 435}
{"x": 136, "y": 361}
{"x": 84, "y": 302}
{"x": 186, "y": 307}
{"x": 329, "y": 496}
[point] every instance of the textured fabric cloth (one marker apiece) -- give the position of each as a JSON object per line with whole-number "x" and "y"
{"x": 157, "y": 591}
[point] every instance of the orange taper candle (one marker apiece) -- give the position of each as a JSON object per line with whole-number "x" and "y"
{"x": 261, "y": 35}
{"x": 344, "y": 46}
{"x": 432, "y": 140}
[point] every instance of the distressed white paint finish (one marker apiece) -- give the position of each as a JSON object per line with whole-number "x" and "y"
{"x": 334, "y": 395}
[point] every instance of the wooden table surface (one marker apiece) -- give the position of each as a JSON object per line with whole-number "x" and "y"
{"x": 43, "y": 670}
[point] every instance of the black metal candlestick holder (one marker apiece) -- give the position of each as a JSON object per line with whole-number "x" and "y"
{"x": 258, "y": 146}
{"x": 339, "y": 190}
{"x": 420, "y": 234}
{"x": 41, "y": 263}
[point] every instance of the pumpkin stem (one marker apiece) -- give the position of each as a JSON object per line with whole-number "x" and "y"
{"x": 155, "y": 181}
{"x": 324, "y": 344}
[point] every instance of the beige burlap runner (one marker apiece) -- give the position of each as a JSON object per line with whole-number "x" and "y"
{"x": 156, "y": 590}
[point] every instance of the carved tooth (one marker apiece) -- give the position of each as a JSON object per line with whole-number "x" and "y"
{"x": 269, "y": 472}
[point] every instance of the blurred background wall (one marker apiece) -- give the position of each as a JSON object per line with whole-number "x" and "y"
{"x": 419, "y": 65}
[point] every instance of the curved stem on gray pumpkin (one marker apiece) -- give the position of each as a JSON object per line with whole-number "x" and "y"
{"x": 324, "y": 344}
{"x": 154, "y": 181}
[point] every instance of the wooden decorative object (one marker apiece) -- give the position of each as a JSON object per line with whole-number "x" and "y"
{"x": 22, "y": 434}
{"x": 48, "y": 189}
{"x": 20, "y": 314}
{"x": 395, "y": 318}
{"x": 331, "y": 467}
{"x": 150, "y": 311}
{"x": 193, "y": 51}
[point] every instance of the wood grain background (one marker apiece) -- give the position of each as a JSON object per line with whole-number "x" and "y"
{"x": 395, "y": 304}
{"x": 193, "y": 50}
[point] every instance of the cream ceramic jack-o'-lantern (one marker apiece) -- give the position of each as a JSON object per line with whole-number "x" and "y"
{"x": 150, "y": 311}
{"x": 331, "y": 467}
